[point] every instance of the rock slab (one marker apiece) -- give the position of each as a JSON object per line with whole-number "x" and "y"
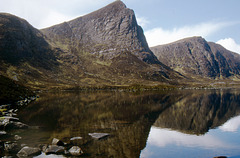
{"x": 98, "y": 135}
{"x": 54, "y": 149}
{"x": 28, "y": 151}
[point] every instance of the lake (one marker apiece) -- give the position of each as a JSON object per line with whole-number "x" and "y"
{"x": 151, "y": 124}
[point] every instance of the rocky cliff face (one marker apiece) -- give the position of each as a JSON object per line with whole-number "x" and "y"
{"x": 197, "y": 57}
{"x": 106, "y": 32}
{"x": 108, "y": 47}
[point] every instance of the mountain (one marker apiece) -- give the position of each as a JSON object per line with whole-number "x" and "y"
{"x": 106, "y": 32}
{"x": 104, "y": 48}
{"x": 107, "y": 47}
{"x": 194, "y": 57}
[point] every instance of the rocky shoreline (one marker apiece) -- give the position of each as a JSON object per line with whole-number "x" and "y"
{"x": 10, "y": 145}
{"x": 9, "y": 123}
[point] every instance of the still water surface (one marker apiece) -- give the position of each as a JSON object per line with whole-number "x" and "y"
{"x": 167, "y": 124}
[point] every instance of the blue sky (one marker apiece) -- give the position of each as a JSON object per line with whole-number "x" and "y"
{"x": 163, "y": 21}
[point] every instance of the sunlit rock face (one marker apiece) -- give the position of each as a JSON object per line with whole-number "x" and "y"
{"x": 107, "y": 31}
{"x": 195, "y": 56}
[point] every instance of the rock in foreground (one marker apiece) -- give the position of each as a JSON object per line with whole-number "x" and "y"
{"x": 75, "y": 151}
{"x": 28, "y": 151}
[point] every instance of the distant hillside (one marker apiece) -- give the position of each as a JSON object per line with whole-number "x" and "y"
{"x": 196, "y": 57}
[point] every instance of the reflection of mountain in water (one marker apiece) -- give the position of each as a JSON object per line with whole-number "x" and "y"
{"x": 128, "y": 117}
{"x": 196, "y": 113}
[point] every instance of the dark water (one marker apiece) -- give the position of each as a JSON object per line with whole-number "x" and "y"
{"x": 187, "y": 123}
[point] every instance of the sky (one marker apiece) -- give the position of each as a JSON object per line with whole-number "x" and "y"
{"x": 163, "y": 21}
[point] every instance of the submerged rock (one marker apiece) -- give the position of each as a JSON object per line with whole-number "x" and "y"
{"x": 76, "y": 138}
{"x": 28, "y": 151}
{"x": 78, "y": 141}
{"x": 98, "y": 135}
{"x": 75, "y": 151}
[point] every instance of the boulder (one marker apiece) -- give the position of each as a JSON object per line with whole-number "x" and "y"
{"x": 55, "y": 149}
{"x": 98, "y": 135}
{"x": 15, "y": 125}
{"x": 17, "y": 137}
{"x": 3, "y": 133}
{"x": 75, "y": 151}
{"x": 11, "y": 122}
{"x": 4, "y": 106}
{"x": 58, "y": 142}
{"x": 28, "y": 151}
{"x": 10, "y": 146}
{"x": 10, "y": 118}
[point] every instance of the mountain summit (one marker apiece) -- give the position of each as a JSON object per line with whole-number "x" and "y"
{"x": 195, "y": 56}
{"x": 106, "y": 32}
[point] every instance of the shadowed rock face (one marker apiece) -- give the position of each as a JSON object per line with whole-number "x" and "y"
{"x": 107, "y": 31}
{"x": 25, "y": 55}
{"x": 20, "y": 42}
{"x": 195, "y": 56}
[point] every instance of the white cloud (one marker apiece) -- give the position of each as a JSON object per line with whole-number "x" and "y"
{"x": 51, "y": 19}
{"x": 230, "y": 44}
{"x": 44, "y": 13}
{"x": 142, "y": 21}
{"x": 158, "y": 36}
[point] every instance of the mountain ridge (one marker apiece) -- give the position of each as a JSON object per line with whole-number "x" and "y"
{"x": 195, "y": 56}
{"x": 103, "y": 48}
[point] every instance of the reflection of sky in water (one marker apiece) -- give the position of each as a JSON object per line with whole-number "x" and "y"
{"x": 223, "y": 141}
{"x": 231, "y": 125}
